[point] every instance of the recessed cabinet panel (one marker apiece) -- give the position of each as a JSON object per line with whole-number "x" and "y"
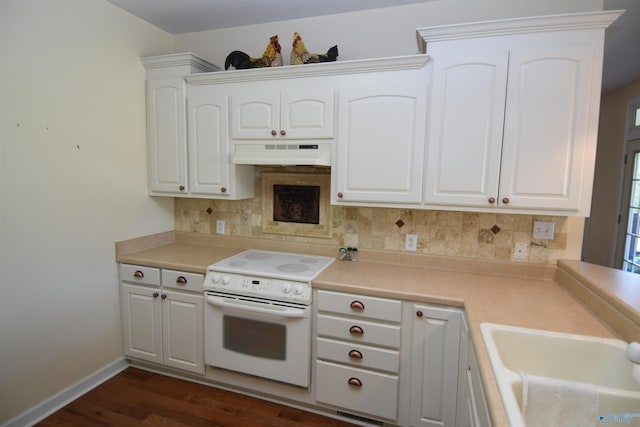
{"x": 465, "y": 132}
{"x": 308, "y": 114}
{"x": 142, "y": 328}
{"x": 380, "y": 144}
{"x": 167, "y": 135}
{"x": 209, "y": 159}
{"x": 545, "y": 132}
{"x": 254, "y": 115}
{"x": 183, "y": 328}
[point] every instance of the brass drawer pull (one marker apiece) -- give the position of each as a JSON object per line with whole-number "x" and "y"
{"x": 181, "y": 280}
{"x": 355, "y": 382}
{"x": 139, "y": 274}
{"x": 356, "y": 330}
{"x": 357, "y": 305}
{"x": 355, "y": 354}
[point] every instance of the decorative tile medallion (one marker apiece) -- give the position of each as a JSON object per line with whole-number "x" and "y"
{"x": 296, "y": 204}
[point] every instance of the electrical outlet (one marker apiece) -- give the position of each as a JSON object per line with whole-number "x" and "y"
{"x": 411, "y": 243}
{"x": 521, "y": 251}
{"x": 543, "y": 229}
{"x": 220, "y": 226}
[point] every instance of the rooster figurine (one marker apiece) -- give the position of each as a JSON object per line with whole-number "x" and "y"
{"x": 270, "y": 58}
{"x": 300, "y": 54}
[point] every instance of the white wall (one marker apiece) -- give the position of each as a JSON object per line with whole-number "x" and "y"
{"x": 72, "y": 182}
{"x": 367, "y": 34}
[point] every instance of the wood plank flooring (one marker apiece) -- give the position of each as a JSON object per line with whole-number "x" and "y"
{"x": 136, "y": 397}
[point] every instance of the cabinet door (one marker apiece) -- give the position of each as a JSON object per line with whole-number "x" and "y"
{"x": 465, "y": 129}
{"x": 209, "y": 160}
{"x": 166, "y": 136}
{"x": 142, "y": 324}
{"x": 182, "y": 326}
{"x": 380, "y": 145}
{"x": 434, "y": 365}
{"x": 546, "y": 129}
{"x": 307, "y": 114}
{"x": 255, "y": 114}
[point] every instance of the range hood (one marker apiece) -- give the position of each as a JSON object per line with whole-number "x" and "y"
{"x": 283, "y": 154}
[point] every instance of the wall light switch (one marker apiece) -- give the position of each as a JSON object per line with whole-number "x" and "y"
{"x": 543, "y": 229}
{"x": 411, "y": 243}
{"x": 220, "y": 226}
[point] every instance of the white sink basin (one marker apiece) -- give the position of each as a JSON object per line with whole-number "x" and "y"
{"x": 592, "y": 360}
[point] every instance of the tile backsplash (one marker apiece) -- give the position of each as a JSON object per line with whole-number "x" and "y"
{"x": 448, "y": 233}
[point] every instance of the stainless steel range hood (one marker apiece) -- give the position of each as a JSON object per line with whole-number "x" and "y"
{"x": 284, "y": 154}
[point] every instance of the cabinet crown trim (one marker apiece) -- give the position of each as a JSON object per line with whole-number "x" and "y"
{"x": 311, "y": 70}
{"x": 561, "y": 22}
{"x": 178, "y": 59}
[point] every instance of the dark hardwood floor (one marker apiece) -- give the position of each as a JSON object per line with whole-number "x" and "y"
{"x": 139, "y": 398}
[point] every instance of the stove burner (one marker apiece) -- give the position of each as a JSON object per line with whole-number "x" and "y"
{"x": 292, "y": 268}
{"x": 238, "y": 263}
{"x": 257, "y": 256}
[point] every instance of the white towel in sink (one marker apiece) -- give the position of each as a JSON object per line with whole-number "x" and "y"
{"x": 553, "y": 402}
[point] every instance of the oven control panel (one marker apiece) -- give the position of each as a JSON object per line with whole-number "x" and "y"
{"x": 274, "y": 289}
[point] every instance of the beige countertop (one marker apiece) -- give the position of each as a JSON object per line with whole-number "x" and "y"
{"x": 564, "y": 299}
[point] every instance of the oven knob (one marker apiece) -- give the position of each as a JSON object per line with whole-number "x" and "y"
{"x": 215, "y": 278}
{"x": 226, "y": 280}
{"x": 286, "y": 288}
{"x": 298, "y": 289}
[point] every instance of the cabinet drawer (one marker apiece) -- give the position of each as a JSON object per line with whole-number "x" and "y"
{"x": 139, "y": 274}
{"x": 358, "y": 355}
{"x": 348, "y": 329}
{"x": 377, "y": 394}
{"x": 182, "y": 280}
{"x": 360, "y": 306}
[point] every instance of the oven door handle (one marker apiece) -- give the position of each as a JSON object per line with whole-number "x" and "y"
{"x": 241, "y": 305}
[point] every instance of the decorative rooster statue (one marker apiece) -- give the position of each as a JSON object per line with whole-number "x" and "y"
{"x": 270, "y": 58}
{"x": 300, "y": 54}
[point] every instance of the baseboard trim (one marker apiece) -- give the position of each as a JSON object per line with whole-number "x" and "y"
{"x": 55, "y": 402}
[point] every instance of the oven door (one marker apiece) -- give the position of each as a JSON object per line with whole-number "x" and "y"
{"x": 258, "y": 337}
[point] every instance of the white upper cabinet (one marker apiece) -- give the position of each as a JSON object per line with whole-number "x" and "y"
{"x": 299, "y": 114}
{"x": 380, "y": 141}
{"x": 211, "y": 171}
{"x": 167, "y": 167}
{"x": 514, "y": 113}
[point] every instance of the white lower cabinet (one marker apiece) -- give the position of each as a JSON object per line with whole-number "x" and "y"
{"x": 472, "y": 404}
{"x": 162, "y": 316}
{"x": 358, "y": 354}
{"x": 435, "y": 345}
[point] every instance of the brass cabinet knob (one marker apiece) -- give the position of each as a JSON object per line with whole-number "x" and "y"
{"x": 274, "y": 133}
{"x": 419, "y": 313}
{"x": 163, "y": 296}
{"x": 492, "y": 200}
{"x": 505, "y": 200}
{"x": 155, "y": 295}
{"x": 223, "y": 189}
{"x": 283, "y": 132}
{"x": 340, "y": 195}
{"x": 181, "y": 188}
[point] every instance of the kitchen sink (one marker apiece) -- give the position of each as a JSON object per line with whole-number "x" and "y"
{"x": 598, "y": 361}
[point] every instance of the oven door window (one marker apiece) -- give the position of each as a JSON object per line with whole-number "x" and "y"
{"x": 255, "y": 338}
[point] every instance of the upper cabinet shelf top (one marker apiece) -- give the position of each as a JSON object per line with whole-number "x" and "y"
{"x": 312, "y": 70}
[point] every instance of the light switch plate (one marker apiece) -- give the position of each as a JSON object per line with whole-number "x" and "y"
{"x": 411, "y": 243}
{"x": 543, "y": 229}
